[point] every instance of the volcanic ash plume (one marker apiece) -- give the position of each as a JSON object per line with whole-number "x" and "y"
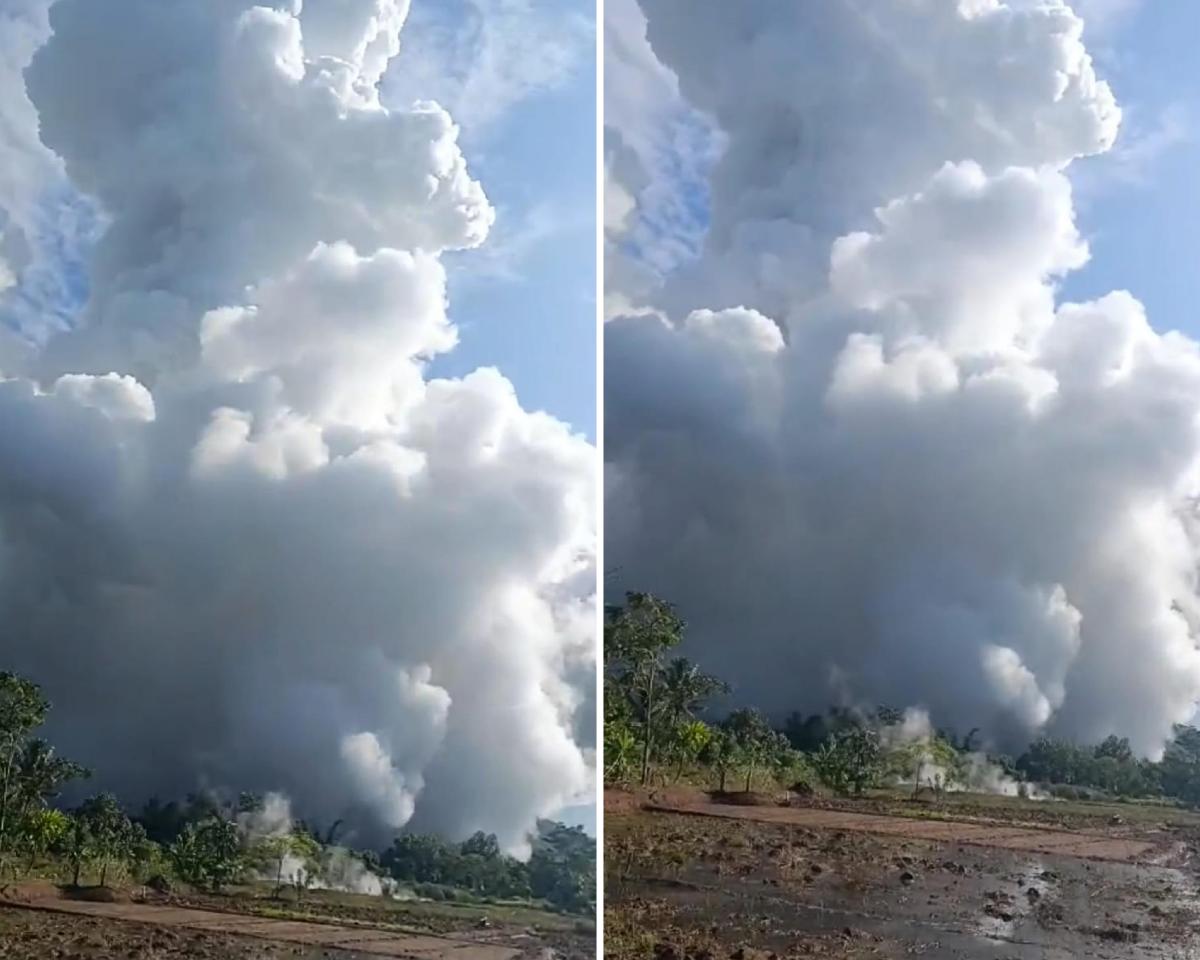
{"x": 245, "y": 540}
{"x": 862, "y": 436}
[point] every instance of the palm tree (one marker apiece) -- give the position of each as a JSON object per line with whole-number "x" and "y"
{"x": 684, "y": 689}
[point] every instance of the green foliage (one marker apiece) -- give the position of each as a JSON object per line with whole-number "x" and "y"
{"x": 850, "y": 761}
{"x": 165, "y": 822}
{"x": 42, "y": 831}
{"x": 722, "y": 753}
{"x": 1180, "y": 768}
{"x": 636, "y": 638}
{"x": 753, "y": 740}
{"x": 271, "y": 854}
{"x": 561, "y": 869}
{"x": 415, "y": 857}
{"x": 207, "y": 854}
{"x": 928, "y": 761}
{"x": 106, "y": 835}
{"x": 30, "y": 774}
{"x": 620, "y": 750}
{"x": 1112, "y": 768}
{"x": 651, "y": 704}
{"x": 686, "y": 742}
{"x": 809, "y": 733}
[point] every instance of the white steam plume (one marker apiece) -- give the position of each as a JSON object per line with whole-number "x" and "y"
{"x": 335, "y": 868}
{"x": 861, "y": 435}
{"x": 244, "y": 539}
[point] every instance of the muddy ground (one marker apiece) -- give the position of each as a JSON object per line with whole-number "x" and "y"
{"x": 686, "y": 886}
{"x": 40, "y": 920}
{"x": 35, "y": 935}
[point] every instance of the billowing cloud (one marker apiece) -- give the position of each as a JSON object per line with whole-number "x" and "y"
{"x": 939, "y": 484}
{"x": 245, "y": 540}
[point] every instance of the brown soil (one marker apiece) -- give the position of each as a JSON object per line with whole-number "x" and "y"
{"x": 40, "y": 935}
{"x": 160, "y": 927}
{"x": 746, "y": 883}
{"x": 1032, "y": 839}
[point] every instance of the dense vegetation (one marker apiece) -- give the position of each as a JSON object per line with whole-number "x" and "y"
{"x": 654, "y": 732}
{"x": 205, "y": 841}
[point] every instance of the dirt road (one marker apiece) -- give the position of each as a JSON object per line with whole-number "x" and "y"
{"x": 360, "y": 940}
{"x": 1028, "y": 839}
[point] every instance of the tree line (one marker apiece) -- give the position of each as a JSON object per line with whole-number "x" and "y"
{"x": 202, "y": 841}
{"x": 655, "y": 731}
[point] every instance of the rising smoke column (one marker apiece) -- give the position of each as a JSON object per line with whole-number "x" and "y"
{"x": 245, "y": 541}
{"x": 859, "y": 440}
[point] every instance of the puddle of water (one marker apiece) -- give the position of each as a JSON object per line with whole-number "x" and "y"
{"x": 976, "y": 906}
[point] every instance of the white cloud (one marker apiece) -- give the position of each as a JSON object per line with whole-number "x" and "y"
{"x": 241, "y": 495}
{"x": 946, "y": 487}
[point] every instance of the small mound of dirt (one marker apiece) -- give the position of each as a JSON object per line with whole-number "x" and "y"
{"x": 95, "y": 894}
{"x": 621, "y": 801}
{"x": 29, "y": 891}
{"x": 745, "y": 798}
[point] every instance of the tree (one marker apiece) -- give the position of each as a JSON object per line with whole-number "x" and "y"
{"x": 788, "y": 765}
{"x": 636, "y": 638}
{"x": 931, "y": 759}
{"x": 620, "y": 751}
{"x": 418, "y": 858}
{"x": 1117, "y": 748}
{"x": 753, "y": 737}
{"x": 23, "y": 709}
{"x": 850, "y": 760}
{"x": 296, "y": 845}
{"x": 37, "y": 777}
{"x": 688, "y": 741}
{"x": 685, "y": 688}
{"x": 481, "y": 844}
{"x": 1056, "y": 761}
{"x": 723, "y": 753}
{"x": 111, "y": 836}
{"x": 41, "y": 831}
{"x": 1180, "y": 767}
{"x": 809, "y": 733}
{"x": 78, "y": 846}
{"x": 562, "y": 867}
{"x": 207, "y": 854}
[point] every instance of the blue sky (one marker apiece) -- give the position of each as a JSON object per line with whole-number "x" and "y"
{"x": 531, "y": 309}
{"x": 519, "y": 77}
{"x": 1139, "y": 207}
